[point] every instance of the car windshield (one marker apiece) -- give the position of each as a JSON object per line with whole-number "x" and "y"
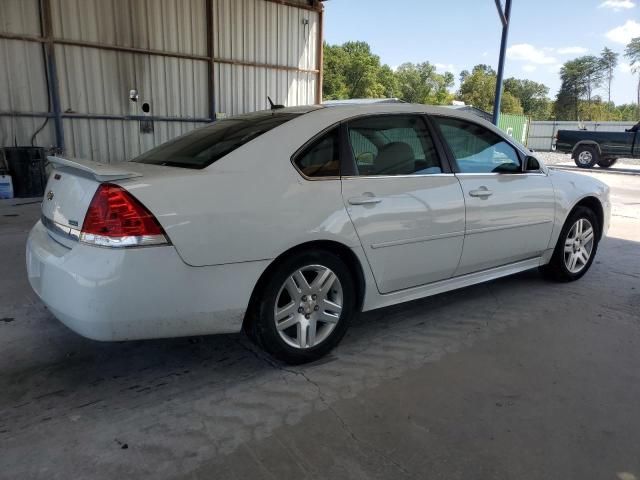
{"x": 203, "y": 146}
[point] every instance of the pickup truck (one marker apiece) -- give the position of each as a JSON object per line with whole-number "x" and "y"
{"x": 603, "y": 148}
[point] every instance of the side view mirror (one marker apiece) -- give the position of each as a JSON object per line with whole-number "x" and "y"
{"x": 531, "y": 164}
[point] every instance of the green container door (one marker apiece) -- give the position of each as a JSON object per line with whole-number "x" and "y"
{"x": 516, "y": 126}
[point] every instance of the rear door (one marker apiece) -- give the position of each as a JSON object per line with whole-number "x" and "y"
{"x": 509, "y": 211}
{"x": 406, "y": 205}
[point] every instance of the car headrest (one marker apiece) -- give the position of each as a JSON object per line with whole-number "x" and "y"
{"x": 394, "y": 154}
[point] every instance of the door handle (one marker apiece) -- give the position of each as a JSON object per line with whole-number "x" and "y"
{"x": 482, "y": 192}
{"x": 365, "y": 199}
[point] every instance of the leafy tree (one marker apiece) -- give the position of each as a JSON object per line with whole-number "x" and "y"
{"x": 632, "y": 52}
{"x": 532, "y": 96}
{"x": 334, "y": 85}
{"x": 510, "y": 104}
{"x": 626, "y": 113}
{"x": 579, "y": 78}
{"x": 351, "y": 70}
{"x": 593, "y": 71}
{"x": 420, "y": 83}
{"x": 478, "y": 88}
{"x": 388, "y": 82}
{"x": 609, "y": 60}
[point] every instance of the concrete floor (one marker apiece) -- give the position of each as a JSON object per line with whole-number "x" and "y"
{"x": 517, "y": 378}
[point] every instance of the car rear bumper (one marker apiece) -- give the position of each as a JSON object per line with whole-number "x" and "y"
{"x": 126, "y": 294}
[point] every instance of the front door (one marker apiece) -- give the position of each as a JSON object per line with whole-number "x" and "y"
{"x": 407, "y": 208}
{"x": 509, "y": 211}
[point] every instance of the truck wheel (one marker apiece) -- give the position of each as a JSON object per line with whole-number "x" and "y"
{"x": 586, "y": 156}
{"x": 607, "y": 162}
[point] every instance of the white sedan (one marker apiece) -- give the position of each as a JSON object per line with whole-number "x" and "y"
{"x": 289, "y": 222}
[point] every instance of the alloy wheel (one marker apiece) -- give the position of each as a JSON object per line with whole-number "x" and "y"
{"x": 585, "y": 157}
{"x": 308, "y": 306}
{"x": 578, "y": 245}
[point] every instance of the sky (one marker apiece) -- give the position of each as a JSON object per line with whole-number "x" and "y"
{"x": 457, "y": 34}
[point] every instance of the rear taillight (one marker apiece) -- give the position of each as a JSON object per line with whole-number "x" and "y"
{"x": 115, "y": 218}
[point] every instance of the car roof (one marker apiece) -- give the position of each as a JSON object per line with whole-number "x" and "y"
{"x": 355, "y": 109}
{"x": 361, "y": 101}
{"x": 360, "y": 107}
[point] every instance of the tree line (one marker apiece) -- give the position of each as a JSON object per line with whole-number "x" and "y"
{"x": 352, "y": 70}
{"x": 583, "y": 77}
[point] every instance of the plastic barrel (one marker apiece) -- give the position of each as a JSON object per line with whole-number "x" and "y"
{"x": 6, "y": 186}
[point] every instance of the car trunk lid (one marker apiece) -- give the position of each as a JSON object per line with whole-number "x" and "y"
{"x": 70, "y": 189}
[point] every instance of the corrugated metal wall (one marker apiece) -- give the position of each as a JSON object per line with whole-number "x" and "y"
{"x": 541, "y": 133}
{"x": 166, "y": 49}
{"x": 23, "y": 81}
{"x": 264, "y": 33}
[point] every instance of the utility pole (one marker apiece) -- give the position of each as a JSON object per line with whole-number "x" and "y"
{"x": 505, "y": 17}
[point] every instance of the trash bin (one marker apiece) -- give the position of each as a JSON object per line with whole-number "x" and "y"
{"x": 26, "y": 167}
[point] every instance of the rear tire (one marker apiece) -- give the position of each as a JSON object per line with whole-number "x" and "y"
{"x": 586, "y": 156}
{"x": 304, "y": 308}
{"x": 576, "y": 248}
{"x": 607, "y": 162}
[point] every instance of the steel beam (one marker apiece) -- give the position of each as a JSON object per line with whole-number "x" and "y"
{"x": 506, "y": 20}
{"x": 320, "y": 56}
{"x": 210, "y": 54}
{"x": 52, "y": 72}
{"x": 106, "y": 116}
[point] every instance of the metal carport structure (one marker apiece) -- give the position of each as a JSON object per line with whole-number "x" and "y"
{"x": 70, "y": 66}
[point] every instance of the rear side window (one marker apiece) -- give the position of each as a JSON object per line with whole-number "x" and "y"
{"x": 478, "y": 149}
{"x": 321, "y": 158}
{"x": 200, "y": 148}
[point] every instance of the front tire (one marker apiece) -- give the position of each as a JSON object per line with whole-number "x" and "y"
{"x": 586, "y": 156}
{"x": 305, "y": 307}
{"x": 576, "y": 248}
{"x": 607, "y": 162}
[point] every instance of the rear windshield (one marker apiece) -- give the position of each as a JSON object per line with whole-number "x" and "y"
{"x": 203, "y": 146}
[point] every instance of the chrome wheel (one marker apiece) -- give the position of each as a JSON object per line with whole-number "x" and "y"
{"x": 585, "y": 157}
{"x": 308, "y": 306}
{"x": 578, "y": 245}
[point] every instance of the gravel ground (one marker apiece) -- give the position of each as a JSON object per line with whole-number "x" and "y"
{"x": 554, "y": 158}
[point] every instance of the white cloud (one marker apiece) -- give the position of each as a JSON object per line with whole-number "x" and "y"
{"x": 484, "y": 54}
{"x": 529, "y": 53}
{"x": 445, "y": 67}
{"x": 617, "y": 5}
{"x": 529, "y": 68}
{"x": 624, "y": 33}
{"x": 572, "y": 50}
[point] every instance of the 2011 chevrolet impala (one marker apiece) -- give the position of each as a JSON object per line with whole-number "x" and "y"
{"x": 288, "y": 222}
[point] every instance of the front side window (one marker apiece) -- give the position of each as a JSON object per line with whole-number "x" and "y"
{"x": 477, "y": 149}
{"x": 321, "y": 158}
{"x": 393, "y": 145}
